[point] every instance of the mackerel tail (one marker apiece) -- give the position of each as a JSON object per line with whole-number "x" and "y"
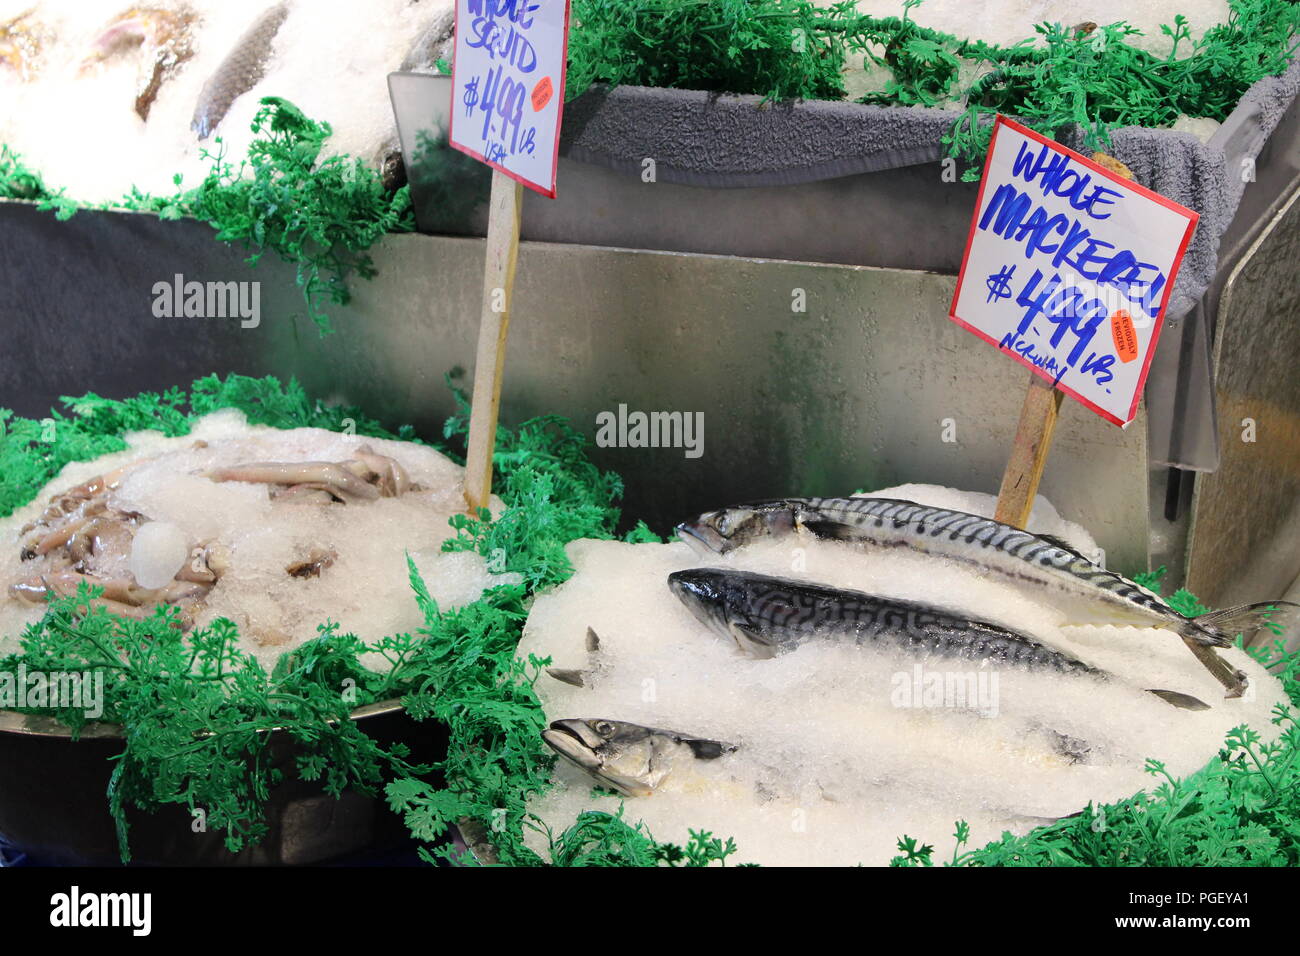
{"x": 1222, "y": 627}
{"x": 1247, "y": 620}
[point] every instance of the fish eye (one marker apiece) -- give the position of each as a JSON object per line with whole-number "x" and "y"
{"x": 603, "y": 727}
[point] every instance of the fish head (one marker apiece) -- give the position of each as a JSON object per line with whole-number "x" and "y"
{"x": 723, "y": 601}
{"x": 630, "y": 758}
{"x": 726, "y": 529}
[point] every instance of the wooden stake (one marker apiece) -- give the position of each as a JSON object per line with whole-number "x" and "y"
{"x": 498, "y": 291}
{"x": 1029, "y": 452}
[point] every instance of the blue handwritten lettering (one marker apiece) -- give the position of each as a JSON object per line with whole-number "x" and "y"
{"x": 499, "y": 28}
{"x": 1012, "y": 342}
{"x": 1056, "y": 175}
{"x": 1013, "y": 215}
{"x": 1065, "y": 309}
{"x": 1099, "y": 366}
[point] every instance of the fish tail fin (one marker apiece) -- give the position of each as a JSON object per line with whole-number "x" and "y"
{"x": 572, "y": 676}
{"x": 1234, "y": 681}
{"x": 1180, "y": 700}
{"x": 581, "y": 676}
{"x": 1220, "y": 628}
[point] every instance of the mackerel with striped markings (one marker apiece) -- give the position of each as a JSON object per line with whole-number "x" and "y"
{"x": 1046, "y": 568}
{"x": 767, "y": 615}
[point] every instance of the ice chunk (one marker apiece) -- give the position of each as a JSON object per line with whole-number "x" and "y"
{"x": 158, "y": 551}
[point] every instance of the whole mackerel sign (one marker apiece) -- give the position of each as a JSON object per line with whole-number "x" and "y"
{"x": 508, "y": 86}
{"x": 1068, "y": 268}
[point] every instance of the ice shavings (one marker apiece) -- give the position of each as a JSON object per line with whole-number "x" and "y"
{"x": 330, "y": 58}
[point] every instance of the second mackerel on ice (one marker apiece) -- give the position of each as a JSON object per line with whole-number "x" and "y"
{"x": 1084, "y": 591}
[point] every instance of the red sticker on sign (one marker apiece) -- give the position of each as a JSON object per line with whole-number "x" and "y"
{"x": 1125, "y": 336}
{"x": 542, "y": 93}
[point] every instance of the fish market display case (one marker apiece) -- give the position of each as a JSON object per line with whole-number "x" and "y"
{"x": 674, "y": 292}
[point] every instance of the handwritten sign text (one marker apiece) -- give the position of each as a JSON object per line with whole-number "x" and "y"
{"x": 1068, "y": 268}
{"x": 508, "y": 86}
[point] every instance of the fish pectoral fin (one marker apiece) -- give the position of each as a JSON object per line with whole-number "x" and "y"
{"x": 573, "y": 676}
{"x": 1178, "y": 699}
{"x": 825, "y": 528}
{"x": 705, "y": 749}
{"x": 750, "y": 640}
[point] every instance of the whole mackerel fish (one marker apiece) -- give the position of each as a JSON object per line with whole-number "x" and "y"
{"x": 1042, "y": 566}
{"x": 768, "y": 615}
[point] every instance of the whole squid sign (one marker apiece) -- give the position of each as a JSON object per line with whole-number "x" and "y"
{"x": 1068, "y": 268}
{"x": 508, "y": 86}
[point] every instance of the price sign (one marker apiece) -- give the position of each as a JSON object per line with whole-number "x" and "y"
{"x": 1068, "y": 268}
{"x": 508, "y": 86}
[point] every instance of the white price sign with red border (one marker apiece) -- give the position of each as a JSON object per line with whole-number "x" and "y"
{"x": 508, "y": 86}
{"x": 1068, "y": 268}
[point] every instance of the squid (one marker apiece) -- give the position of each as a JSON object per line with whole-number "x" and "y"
{"x": 330, "y": 476}
{"x": 367, "y": 475}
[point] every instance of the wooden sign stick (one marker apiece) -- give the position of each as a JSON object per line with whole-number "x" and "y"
{"x": 1029, "y": 452}
{"x": 498, "y": 292}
